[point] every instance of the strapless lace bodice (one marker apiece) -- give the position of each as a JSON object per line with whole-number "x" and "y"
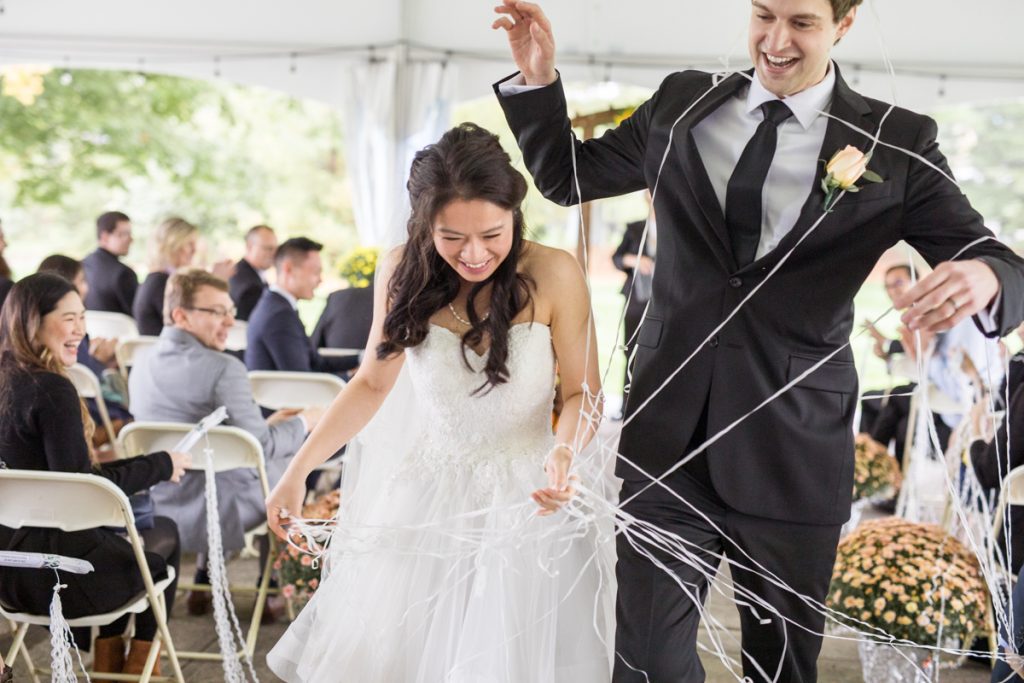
{"x": 491, "y": 433}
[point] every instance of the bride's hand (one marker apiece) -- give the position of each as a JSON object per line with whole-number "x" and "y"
{"x": 560, "y": 490}
{"x": 285, "y": 501}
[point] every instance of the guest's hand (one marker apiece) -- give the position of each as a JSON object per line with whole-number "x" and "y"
{"x": 951, "y": 293}
{"x": 181, "y": 463}
{"x": 312, "y": 416}
{"x": 530, "y": 39}
{"x": 909, "y": 340}
{"x": 285, "y": 502}
{"x": 224, "y": 269}
{"x": 559, "y": 490}
{"x": 103, "y": 350}
{"x": 645, "y": 266}
{"x": 981, "y": 421}
{"x": 279, "y": 416}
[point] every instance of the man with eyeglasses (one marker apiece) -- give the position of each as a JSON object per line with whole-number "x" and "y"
{"x": 112, "y": 284}
{"x": 186, "y": 376}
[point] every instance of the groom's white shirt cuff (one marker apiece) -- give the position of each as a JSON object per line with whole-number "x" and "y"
{"x": 515, "y": 85}
{"x": 987, "y": 317}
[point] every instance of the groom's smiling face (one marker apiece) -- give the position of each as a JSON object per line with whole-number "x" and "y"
{"x": 791, "y": 41}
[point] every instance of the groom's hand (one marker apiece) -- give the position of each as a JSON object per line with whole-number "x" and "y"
{"x": 950, "y": 294}
{"x": 530, "y": 38}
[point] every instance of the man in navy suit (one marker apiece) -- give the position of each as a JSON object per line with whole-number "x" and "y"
{"x": 249, "y": 280}
{"x": 276, "y": 337}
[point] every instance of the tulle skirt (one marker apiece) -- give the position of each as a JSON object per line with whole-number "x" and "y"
{"x": 456, "y": 579}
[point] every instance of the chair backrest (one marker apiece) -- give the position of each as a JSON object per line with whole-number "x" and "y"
{"x": 61, "y": 500}
{"x": 88, "y": 386}
{"x": 238, "y": 336}
{"x": 232, "y": 447}
{"x": 86, "y": 382}
{"x": 128, "y": 349}
{"x": 275, "y": 390}
{"x": 109, "y": 325}
{"x": 1011, "y": 493}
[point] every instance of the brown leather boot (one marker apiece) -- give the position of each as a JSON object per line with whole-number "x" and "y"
{"x": 108, "y": 657}
{"x": 137, "y": 654}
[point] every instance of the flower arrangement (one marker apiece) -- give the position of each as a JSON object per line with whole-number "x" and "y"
{"x": 359, "y": 265}
{"x": 297, "y": 574}
{"x": 907, "y": 579}
{"x": 875, "y": 470}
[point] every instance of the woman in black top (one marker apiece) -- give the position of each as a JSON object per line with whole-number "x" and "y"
{"x": 44, "y": 426}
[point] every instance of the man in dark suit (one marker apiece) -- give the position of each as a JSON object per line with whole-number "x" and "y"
{"x": 276, "y": 338}
{"x": 345, "y": 322}
{"x": 112, "y": 284}
{"x": 639, "y": 270}
{"x": 772, "y": 491}
{"x": 249, "y": 280}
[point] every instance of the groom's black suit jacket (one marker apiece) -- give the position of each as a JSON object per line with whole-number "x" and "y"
{"x": 793, "y": 459}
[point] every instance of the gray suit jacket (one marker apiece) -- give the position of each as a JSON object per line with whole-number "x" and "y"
{"x": 180, "y": 380}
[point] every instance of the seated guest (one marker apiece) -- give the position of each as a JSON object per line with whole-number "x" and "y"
{"x": 249, "y": 280}
{"x": 184, "y": 378}
{"x": 112, "y": 284}
{"x": 992, "y": 458}
{"x": 345, "y": 322}
{"x": 5, "y": 271}
{"x": 43, "y": 426}
{"x": 95, "y": 354}
{"x": 276, "y": 338}
{"x": 897, "y": 280}
{"x": 174, "y": 247}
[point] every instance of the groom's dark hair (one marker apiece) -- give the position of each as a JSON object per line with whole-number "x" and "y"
{"x": 467, "y": 163}
{"x": 840, "y": 8}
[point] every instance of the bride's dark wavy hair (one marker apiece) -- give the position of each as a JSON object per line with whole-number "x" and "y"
{"x": 467, "y": 163}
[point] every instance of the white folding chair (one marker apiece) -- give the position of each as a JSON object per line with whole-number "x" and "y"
{"x": 233, "y": 448}
{"x": 276, "y": 390}
{"x": 88, "y": 386}
{"x": 238, "y": 337}
{"x": 108, "y": 325}
{"x": 128, "y": 348}
{"x": 75, "y": 502}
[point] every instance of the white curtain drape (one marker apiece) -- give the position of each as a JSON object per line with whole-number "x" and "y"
{"x": 394, "y": 106}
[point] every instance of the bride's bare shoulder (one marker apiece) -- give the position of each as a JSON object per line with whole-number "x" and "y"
{"x": 549, "y": 266}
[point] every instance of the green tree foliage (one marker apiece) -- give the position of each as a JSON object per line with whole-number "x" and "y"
{"x": 224, "y": 157}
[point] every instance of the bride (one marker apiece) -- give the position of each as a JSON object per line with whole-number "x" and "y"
{"x": 440, "y": 568}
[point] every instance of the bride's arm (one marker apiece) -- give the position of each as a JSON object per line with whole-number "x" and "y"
{"x": 575, "y": 344}
{"x": 357, "y": 403}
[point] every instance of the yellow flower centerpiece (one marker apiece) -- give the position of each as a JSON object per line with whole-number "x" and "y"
{"x": 909, "y": 580}
{"x": 358, "y": 266}
{"x": 875, "y": 470}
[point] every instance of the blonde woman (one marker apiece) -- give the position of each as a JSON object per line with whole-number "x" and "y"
{"x": 174, "y": 247}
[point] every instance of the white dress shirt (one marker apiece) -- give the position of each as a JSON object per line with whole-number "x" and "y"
{"x": 723, "y": 134}
{"x": 287, "y": 296}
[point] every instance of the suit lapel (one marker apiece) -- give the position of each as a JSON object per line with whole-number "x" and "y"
{"x": 696, "y": 175}
{"x": 847, "y": 105}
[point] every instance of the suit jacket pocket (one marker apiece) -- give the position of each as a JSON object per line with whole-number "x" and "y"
{"x": 650, "y": 333}
{"x": 833, "y": 375}
{"x": 867, "y": 193}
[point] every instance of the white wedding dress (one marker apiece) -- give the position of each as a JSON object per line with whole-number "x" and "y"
{"x": 440, "y": 570}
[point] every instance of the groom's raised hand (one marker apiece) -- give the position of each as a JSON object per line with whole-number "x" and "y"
{"x": 530, "y": 39}
{"x": 951, "y": 293}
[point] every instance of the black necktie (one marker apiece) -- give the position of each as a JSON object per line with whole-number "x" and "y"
{"x": 743, "y": 193}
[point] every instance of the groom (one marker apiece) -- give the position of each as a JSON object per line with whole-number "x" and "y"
{"x": 739, "y": 188}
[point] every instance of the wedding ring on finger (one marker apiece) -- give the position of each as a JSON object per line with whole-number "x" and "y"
{"x": 956, "y": 306}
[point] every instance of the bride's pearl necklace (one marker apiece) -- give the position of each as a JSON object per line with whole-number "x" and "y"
{"x": 463, "y": 320}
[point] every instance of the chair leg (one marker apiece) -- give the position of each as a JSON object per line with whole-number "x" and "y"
{"x": 163, "y": 637}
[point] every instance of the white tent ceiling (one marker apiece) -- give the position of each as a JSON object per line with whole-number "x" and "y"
{"x": 303, "y": 46}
